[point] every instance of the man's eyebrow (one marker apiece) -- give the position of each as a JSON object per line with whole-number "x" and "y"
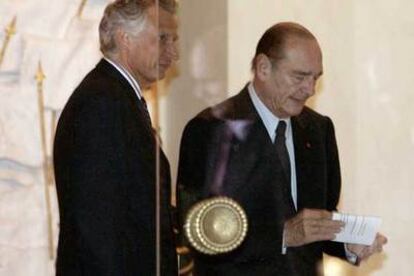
{"x": 306, "y": 73}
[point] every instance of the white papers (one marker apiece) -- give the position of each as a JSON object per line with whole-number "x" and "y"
{"x": 357, "y": 229}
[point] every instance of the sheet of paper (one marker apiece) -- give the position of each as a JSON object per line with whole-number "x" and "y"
{"x": 357, "y": 229}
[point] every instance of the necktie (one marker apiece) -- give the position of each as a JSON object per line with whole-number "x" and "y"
{"x": 282, "y": 152}
{"x": 146, "y": 113}
{"x": 280, "y": 143}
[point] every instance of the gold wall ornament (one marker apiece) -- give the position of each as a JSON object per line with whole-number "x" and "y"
{"x": 47, "y": 163}
{"x": 50, "y": 168}
{"x": 216, "y": 225}
{"x": 81, "y": 7}
{"x": 10, "y": 31}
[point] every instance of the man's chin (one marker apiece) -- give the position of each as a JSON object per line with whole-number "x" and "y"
{"x": 295, "y": 111}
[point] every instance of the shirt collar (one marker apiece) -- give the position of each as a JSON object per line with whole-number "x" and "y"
{"x": 268, "y": 118}
{"x": 131, "y": 80}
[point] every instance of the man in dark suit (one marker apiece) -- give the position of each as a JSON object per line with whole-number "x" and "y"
{"x": 281, "y": 162}
{"x": 105, "y": 152}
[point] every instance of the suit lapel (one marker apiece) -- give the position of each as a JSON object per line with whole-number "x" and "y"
{"x": 303, "y": 141}
{"x": 246, "y": 150}
{"x": 245, "y": 154}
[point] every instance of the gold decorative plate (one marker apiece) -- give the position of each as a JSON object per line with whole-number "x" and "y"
{"x": 216, "y": 225}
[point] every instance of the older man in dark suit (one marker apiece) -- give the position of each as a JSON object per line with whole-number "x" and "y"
{"x": 105, "y": 152}
{"x": 281, "y": 160}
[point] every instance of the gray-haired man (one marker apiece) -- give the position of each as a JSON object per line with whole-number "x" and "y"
{"x": 105, "y": 151}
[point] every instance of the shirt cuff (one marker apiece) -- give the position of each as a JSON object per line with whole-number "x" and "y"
{"x": 351, "y": 257}
{"x": 284, "y": 247}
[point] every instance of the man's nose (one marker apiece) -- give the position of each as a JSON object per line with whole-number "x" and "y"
{"x": 172, "y": 51}
{"x": 309, "y": 86}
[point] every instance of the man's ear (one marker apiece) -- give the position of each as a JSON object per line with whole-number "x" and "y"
{"x": 122, "y": 38}
{"x": 263, "y": 67}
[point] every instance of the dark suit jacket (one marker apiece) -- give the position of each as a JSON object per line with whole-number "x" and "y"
{"x": 253, "y": 179}
{"x": 104, "y": 157}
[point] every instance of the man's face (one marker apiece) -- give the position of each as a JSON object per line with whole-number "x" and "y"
{"x": 293, "y": 78}
{"x": 153, "y": 51}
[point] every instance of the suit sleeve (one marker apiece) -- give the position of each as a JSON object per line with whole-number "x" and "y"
{"x": 191, "y": 169}
{"x": 334, "y": 170}
{"x": 334, "y": 186}
{"x": 97, "y": 199}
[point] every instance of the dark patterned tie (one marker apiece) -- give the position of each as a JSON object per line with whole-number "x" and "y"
{"x": 280, "y": 144}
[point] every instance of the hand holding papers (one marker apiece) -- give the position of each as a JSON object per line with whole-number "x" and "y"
{"x": 357, "y": 229}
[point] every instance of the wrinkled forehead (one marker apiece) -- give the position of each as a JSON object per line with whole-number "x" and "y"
{"x": 302, "y": 55}
{"x": 302, "y": 48}
{"x": 304, "y": 44}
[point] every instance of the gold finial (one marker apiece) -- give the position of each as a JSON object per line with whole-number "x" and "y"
{"x": 10, "y": 31}
{"x": 11, "y": 28}
{"x": 47, "y": 171}
{"x": 40, "y": 76}
{"x": 81, "y": 7}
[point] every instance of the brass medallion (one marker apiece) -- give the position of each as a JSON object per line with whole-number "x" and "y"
{"x": 216, "y": 225}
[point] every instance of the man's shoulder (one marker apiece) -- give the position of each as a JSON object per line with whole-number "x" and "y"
{"x": 202, "y": 121}
{"x": 313, "y": 120}
{"x": 309, "y": 114}
{"x": 218, "y": 112}
{"x": 102, "y": 77}
{"x": 98, "y": 84}
{"x": 98, "y": 91}
{"x": 210, "y": 118}
{"x": 229, "y": 109}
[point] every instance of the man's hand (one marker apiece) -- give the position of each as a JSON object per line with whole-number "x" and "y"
{"x": 365, "y": 251}
{"x": 311, "y": 225}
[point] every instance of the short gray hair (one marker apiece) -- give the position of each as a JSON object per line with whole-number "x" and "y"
{"x": 130, "y": 15}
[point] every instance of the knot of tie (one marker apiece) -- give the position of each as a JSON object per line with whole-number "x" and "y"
{"x": 281, "y": 129}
